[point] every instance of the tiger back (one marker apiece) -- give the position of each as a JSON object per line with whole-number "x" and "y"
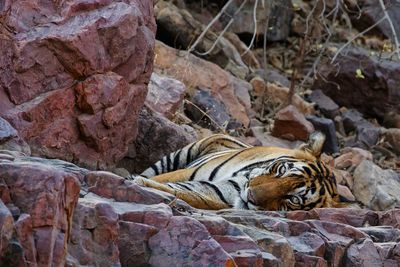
{"x": 221, "y": 172}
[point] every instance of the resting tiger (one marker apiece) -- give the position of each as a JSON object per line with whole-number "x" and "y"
{"x": 220, "y": 172}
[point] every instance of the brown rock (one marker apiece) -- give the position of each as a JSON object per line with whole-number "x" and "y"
{"x": 373, "y": 95}
{"x": 165, "y": 94}
{"x": 279, "y": 27}
{"x": 101, "y": 47}
{"x": 157, "y": 137}
{"x": 195, "y": 72}
{"x": 6, "y": 229}
{"x": 24, "y": 231}
{"x": 390, "y": 217}
{"x": 279, "y": 94}
{"x": 325, "y": 104}
{"x": 392, "y": 136}
{"x": 291, "y": 124}
{"x": 10, "y": 140}
{"x": 308, "y": 260}
{"x": 185, "y": 241}
{"x": 370, "y": 12}
{"x": 95, "y": 234}
{"x": 351, "y": 158}
{"x": 132, "y": 243}
{"x": 363, "y": 253}
{"x": 48, "y": 193}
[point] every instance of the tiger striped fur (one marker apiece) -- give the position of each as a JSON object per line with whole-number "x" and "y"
{"x": 220, "y": 172}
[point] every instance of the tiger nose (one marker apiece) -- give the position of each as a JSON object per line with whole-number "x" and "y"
{"x": 250, "y": 197}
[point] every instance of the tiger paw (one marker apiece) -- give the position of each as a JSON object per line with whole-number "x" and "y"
{"x": 137, "y": 179}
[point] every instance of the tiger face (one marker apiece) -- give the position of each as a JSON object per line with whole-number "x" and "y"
{"x": 299, "y": 181}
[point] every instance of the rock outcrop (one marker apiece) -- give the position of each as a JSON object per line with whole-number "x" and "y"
{"x": 113, "y": 221}
{"x": 74, "y": 75}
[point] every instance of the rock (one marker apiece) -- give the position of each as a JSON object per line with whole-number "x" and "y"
{"x": 353, "y": 217}
{"x": 382, "y": 234}
{"x": 197, "y": 73}
{"x": 373, "y": 95}
{"x": 351, "y": 158}
{"x": 390, "y": 217}
{"x": 327, "y": 127}
{"x": 94, "y": 238}
{"x": 165, "y": 95}
{"x": 178, "y": 28}
{"x": 291, "y": 124}
{"x": 391, "y": 120}
{"x": 48, "y": 192}
{"x": 344, "y": 177}
{"x": 324, "y": 103}
{"x": 209, "y": 112}
{"x": 308, "y": 243}
{"x": 109, "y": 185}
{"x": 185, "y": 241}
{"x": 279, "y": 22}
{"x": 267, "y": 139}
{"x": 376, "y": 188}
{"x": 345, "y": 192}
{"x": 157, "y": 137}
{"x": 307, "y": 260}
{"x": 61, "y": 59}
{"x": 363, "y": 253}
{"x": 10, "y": 140}
{"x": 6, "y": 230}
{"x": 392, "y": 136}
{"x": 273, "y": 243}
{"x": 279, "y": 94}
{"x": 274, "y": 76}
{"x": 369, "y": 12}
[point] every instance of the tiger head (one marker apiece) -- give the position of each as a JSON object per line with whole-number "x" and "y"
{"x": 296, "y": 180}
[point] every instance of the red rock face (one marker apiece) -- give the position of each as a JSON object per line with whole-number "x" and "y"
{"x": 74, "y": 75}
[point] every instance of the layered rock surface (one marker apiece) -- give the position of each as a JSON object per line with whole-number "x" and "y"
{"x": 74, "y": 75}
{"x": 113, "y": 222}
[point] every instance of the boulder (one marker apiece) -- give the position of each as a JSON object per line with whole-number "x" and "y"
{"x": 10, "y": 139}
{"x": 198, "y": 73}
{"x": 363, "y": 253}
{"x": 243, "y": 24}
{"x": 324, "y": 103}
{"x": 352, "y": 157}
{"x": 72, "y": 84}
{"x": 291, "y": 124}
{"x": 209, "y": 112}
{"x": 157, "y": 137}
{"x": 365, "y": 13}
{"x": 376, "y": 188}
{"x": 48, "y": 192}
{"x": 165, "y": 95}
{"x": 373, "y": 95}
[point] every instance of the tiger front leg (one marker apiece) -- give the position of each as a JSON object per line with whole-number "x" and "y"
{"x": 193, "y": 198}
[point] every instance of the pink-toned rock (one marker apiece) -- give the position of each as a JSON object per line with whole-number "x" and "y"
{"x": 132, "y": 243}
{"x": 48, "y": 193}
{"x": 363, "y": 253}
{"x": 308, "y": 243}
{"x": 248, "y": 258}
{"x": 196, "y": 72}
{"x": 109, "y": 185}
{"x": 345, "y": 192}
{"x": 390, "y": 217}
{"x": 344, "y": 178}
{"x": 6, "y": 229}
{"x": 291, "y": 124}
{"x": 94, "y": 237}
{"x": 165, "y": 94}
{"x": 185, "y": 241}
{"x": 308, "y": 260}
{"x": 351, "y": 158}
{"x": 24, "y": 231}
{"x": 353, "y": 217}
{"x": 102, "y": 49}
{"x": 10, "y": 140}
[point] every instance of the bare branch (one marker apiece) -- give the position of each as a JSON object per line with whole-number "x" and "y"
{"x": 255, "y": 28}
{"x": 355, "y": 37}
{"x": 389, "y": 20}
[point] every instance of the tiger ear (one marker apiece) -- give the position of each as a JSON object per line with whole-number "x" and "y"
{"x": 314, "y": 144}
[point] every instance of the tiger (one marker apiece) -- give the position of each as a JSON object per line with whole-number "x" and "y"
{"x": 220, "y": 172}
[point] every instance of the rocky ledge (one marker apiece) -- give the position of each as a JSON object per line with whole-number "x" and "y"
{"x": 55, "y": 213}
